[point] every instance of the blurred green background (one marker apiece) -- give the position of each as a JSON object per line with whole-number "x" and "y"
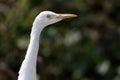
{"x": 83, "y": 48}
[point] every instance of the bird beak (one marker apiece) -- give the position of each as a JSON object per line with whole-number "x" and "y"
{"x": 66, "y": 16}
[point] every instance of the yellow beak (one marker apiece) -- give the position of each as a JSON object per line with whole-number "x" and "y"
{"x": 66, "y": 16}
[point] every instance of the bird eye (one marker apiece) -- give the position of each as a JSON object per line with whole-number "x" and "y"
{"x": 49, "y": 16}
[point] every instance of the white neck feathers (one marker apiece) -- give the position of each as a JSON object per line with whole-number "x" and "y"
{"x": 28, "y": 67}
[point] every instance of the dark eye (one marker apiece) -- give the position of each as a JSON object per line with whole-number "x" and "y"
{"x": 49, "y": 16}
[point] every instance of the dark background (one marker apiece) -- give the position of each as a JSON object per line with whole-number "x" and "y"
{"x": 83, "y": 48}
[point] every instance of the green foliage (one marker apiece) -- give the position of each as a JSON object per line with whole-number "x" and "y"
{"x": 84, "y": 48}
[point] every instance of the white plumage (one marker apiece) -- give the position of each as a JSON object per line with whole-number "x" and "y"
{"x": 45, "y": 18}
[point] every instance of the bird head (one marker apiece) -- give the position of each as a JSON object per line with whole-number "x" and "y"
{"x": 47, "y": 17}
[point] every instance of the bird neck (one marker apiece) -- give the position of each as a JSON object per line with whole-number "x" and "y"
{"x": 28, "y": 67}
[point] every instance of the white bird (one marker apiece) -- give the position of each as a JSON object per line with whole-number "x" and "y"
{"x": 45, "y": 18}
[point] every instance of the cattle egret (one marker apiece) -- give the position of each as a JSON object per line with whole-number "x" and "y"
{"x": 45, "y": 18}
